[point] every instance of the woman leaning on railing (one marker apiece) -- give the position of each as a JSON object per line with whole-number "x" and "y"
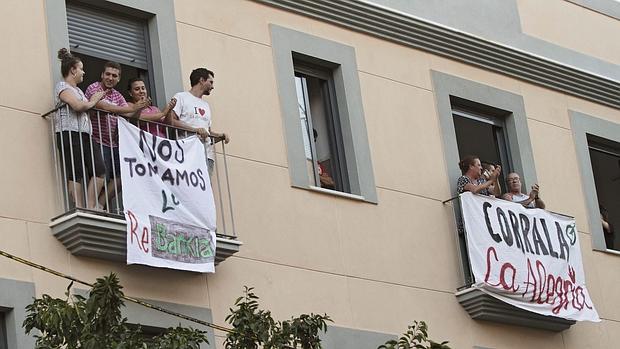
{"x": 81, "y": 162}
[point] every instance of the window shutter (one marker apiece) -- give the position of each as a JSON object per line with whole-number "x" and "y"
{"x": 107, "y": 35}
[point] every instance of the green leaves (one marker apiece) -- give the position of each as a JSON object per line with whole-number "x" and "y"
{"x": 97, "y": 323}
{"x": 416, "y": 337}
{"x": 254, "y": 328}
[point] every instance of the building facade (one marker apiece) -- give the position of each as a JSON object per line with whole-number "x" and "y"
{"x": 383, "y": 97}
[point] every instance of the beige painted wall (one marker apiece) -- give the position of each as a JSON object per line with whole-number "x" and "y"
{"x": 572, "y": 26}
{"x": 374, "y": 267}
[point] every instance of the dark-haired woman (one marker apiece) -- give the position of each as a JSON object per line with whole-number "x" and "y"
{"x": 73, "y": 129}
{"x": 137, "y": 92}
{"x": 472, "y": 179}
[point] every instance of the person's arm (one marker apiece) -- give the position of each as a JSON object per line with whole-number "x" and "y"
{"x": 79, "y": 106}
{"x": 217, "y": 137}
{"x": 327, "y": 181}
{"x": 533, "y": 197}
{"x": 477, "y": 188}
{"x": 539, "y": 203}
{"x": 497, "y": 190}
{"x": 129, "y": 111}
{"x": 161, "y": 114}
{"x": 202, "y": 132}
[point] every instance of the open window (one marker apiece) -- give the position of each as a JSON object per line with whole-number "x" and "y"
{"x": 319, "y": 91}
{"x": 101, "y": 35}
{"x": 320, "y": 125}
{"x": 605, "y": 161}
{"x": 482, "y": 132}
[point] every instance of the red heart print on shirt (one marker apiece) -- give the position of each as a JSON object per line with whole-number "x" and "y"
{"x": 201, "y": 111}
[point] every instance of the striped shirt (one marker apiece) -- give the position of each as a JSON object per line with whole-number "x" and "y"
{"x": 105, "y": 130}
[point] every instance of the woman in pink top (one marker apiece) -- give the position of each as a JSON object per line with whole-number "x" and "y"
{"x": 155, "y": 117}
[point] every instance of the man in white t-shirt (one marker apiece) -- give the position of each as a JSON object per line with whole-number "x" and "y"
{"x": 193, "y": 113}
{"x": 514, "y": 193}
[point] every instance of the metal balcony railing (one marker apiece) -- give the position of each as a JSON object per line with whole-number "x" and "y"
{"x": 76, "y": 154}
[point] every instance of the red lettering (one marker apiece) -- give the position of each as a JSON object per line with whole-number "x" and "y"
{"x": 133, "y": 224}
{"x": 143, "y": 244}
{"x": 545, "y": 288}
{"x": 502, "y": 277}
{"x": 145, "y": 240}
{"x": 488, "y": 272}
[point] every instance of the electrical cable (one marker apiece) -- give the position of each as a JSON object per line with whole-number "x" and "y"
{"x": 130, "y": 299}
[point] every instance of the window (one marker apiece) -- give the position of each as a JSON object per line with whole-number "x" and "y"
{"x": 319, "y": 92}
{"x": 3, "y": 343}
{"x": 597, "y": 145}
{"x": 320, "y": 126}
{"x": 482, "y": 120}
{"x": 141, "y": 35}
{"x": 477, "y": 119}
{"x": 605, "y": 161}
{"x": 482, "y": 134}
{"x": 99, "y": 35}
{"x": 14, "y": 297}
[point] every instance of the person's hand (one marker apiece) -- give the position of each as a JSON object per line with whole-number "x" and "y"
{"x": 203, "y": 133}
{"x": 225, "y": 138}
{"x": 534, "y": 192}
{"x": 495, "y": 173}
{"x": 97, "y": 96}
{"x": 170, "y": 105}
{"x": 141, "y": 104}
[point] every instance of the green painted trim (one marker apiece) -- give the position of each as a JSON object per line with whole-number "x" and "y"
{"x": 581, "y": 126}
{"x": 162, "y": 35}
{"x": 348, "y": 95}
{"x": 14, "y": 297}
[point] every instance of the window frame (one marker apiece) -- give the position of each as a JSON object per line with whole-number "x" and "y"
{"x": 156, "y": 320}
{"x": 519, "y": 147}
{"x": 583, "y": 125}
{"x": 498, "y": 123}
{"x": 450, "y": 90}
{"x": 289, "y": 45}
{"x": 162, "y": 39}
{"x": 14, "y": 297}
{"x": 328, "y": 97}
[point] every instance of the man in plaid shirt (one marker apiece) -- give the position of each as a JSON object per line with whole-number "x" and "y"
{"x": 105, "y": 131}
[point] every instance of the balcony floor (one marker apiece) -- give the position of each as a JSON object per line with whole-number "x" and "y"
{"x": 104, "y": 236}
{"x": 481, "y": 306}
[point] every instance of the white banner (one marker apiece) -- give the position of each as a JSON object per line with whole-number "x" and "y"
{"x": 529, "y": 258}
{"x": 168, "y": 201}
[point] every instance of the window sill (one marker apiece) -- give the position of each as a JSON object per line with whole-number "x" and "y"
{"x": 615, "y": 252}
{"x": 337, "y": 193}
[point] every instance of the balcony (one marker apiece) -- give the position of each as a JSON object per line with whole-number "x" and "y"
{"x": 480, "y": 305}
{"x": 96, "y": 227}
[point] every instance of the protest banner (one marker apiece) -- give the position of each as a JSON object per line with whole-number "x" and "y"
{"x": 168, "y": 201}
{"x": 529, "y": 258}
